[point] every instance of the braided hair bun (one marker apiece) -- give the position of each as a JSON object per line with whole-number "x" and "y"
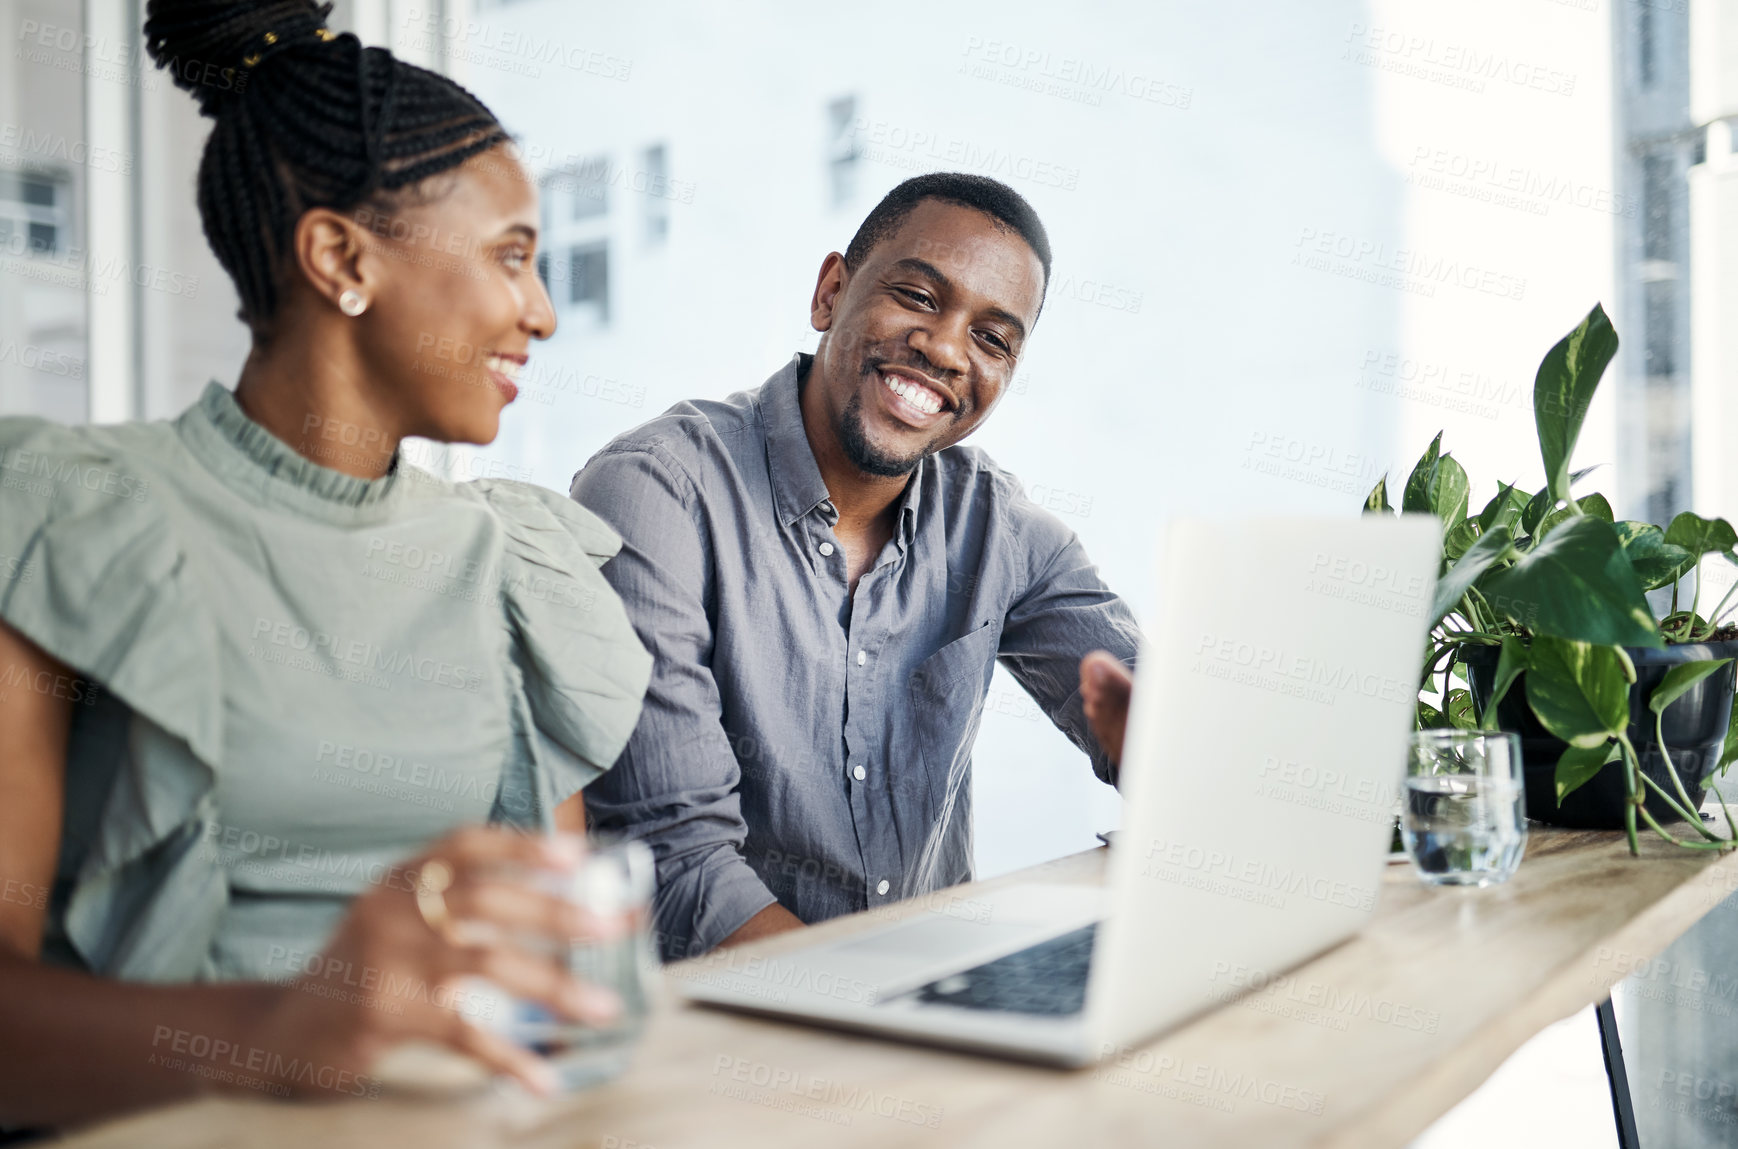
{"x": 305, "y": 118}
{"x": 212, "y": 47}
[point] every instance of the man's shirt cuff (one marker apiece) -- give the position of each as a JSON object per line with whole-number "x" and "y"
{"x": 700, "y": 908}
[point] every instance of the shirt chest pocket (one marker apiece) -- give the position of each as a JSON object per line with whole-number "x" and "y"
{"x": 947, "y": 702}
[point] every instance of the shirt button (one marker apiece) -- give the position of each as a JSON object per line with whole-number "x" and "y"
{"x": 883, "y": 887}
{"x": 862, "y": 657}
{"x": 859, "y": 773}
{"x": 826, "y": 548}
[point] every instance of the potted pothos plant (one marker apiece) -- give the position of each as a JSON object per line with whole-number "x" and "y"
{"x": 1542, "y": 625}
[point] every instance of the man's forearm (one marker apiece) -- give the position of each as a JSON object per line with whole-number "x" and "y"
{"x": 775, "y": 919}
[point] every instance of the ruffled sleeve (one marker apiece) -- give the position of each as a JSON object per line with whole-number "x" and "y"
{"x": 94, "y": 574}
{"x": 582, "y": 669}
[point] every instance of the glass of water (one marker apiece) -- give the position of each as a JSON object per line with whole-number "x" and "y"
{"x": 616, "y": 878}
{"x": 1464, "y": 822}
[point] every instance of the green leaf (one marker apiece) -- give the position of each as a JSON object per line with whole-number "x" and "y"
{"x": 1412, "y": 496}
{"x": 1688, "y": 621}
{"x": 1579, "y": 764}
{"x": 1657, "y": 563}
{"x": 1438, "y": 485}
{"x": 1543, "y": 505}
{"x": 1429, "y": 717}
{"x": 1460, "y": 710}
{"x": 1452, "y": 587}
{"x": 1730, "y": 753}
{"x": 1510, "y": 663}
{"x": 1701, "y": 536}
{"x": 1535, "y": 511}
{"x": 1376, "y": 502}
{"x": 1460, "y": 539}
{"x": 1563, "y": 390}
{"x": 1593, "y": 505}
{"x": 1504, "y": 508}
{"x": 1678, "y": 680}
{"x": 1450, "y": 490}
{"x": 1576, "y": 584}
{"x": 1577, "y": 690}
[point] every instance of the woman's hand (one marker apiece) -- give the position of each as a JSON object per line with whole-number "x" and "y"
{"x": 389, "y": 976}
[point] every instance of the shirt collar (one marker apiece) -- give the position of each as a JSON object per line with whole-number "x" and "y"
{"x": 908, "y": 503}
{"x": 797, "y": 485}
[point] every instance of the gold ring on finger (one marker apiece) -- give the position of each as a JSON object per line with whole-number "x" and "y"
{"x": 432, "y": 883}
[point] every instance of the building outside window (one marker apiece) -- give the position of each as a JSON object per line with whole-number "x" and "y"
{"x": 48, "y": 160}
{"x": 1657, "y": 145}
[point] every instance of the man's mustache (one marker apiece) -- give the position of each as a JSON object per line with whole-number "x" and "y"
{"x": 918, "y": 362}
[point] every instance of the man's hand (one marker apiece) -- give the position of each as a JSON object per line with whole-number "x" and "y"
{"x": 1105, "y": 687}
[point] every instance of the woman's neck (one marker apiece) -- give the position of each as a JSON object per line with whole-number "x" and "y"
{"x": 314, "y": 403}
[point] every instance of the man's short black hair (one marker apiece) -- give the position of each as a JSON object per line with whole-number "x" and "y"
{"x": 992, "y": 197}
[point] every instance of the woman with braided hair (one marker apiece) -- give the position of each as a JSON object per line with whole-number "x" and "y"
{"x": 287, "y": 726}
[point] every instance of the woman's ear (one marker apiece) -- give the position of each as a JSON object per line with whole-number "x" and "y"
{"x": 329, "y": 250}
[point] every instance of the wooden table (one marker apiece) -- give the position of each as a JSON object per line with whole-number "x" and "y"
{"x": 1367, "y": 1045}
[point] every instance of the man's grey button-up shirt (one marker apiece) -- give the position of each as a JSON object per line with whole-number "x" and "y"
{"x": 799, "y": 744}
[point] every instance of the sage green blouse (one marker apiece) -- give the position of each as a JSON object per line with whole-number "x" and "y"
{"x": 293, "y": 678}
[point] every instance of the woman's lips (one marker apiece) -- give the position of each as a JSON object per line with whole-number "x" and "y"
{"x": 503, "y": 370}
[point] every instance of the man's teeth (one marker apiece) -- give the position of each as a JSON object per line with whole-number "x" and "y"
{"x": 508, "y": 367}
{"x": 922, "y": 398}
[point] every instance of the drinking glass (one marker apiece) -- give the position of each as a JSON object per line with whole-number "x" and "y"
{"x": 616, "y": 878}
{"x": 1464, "y": 823}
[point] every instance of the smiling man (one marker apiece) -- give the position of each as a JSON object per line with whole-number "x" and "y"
{"x": 826, "y": 579}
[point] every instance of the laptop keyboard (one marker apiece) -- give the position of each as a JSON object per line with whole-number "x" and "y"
{"x": 1047, "y": 979}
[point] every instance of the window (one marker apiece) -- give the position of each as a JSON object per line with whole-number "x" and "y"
{"x": 578, "y": 280}
{"x": 655, "y": 177}
{"x": 33, "y": 213}
{"x": 1646, "y": 44}
{"x": 587, "y": 187}
{"x": 1657, "y": 181}
{"x": 1660, "y": 313}
{"x": 843, "y": 151}
{"x": 575, "y": 265}
{"x": 1659, "y": 272}
{"x": 588, "y": 278}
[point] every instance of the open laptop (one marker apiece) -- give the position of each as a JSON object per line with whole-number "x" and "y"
{"x": 1261, "y": 768}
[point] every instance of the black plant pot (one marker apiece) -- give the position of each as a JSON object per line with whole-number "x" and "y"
{"x": 1695, "y": 730}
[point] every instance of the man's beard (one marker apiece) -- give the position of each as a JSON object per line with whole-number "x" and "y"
{"x": 864, "y": 455}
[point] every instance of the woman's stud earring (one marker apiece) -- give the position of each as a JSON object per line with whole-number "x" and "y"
{"x": 351, "y": 303}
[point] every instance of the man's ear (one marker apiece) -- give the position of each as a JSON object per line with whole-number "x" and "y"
{"x": 834, "y": 275}
{"x": 329, "y": 250}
